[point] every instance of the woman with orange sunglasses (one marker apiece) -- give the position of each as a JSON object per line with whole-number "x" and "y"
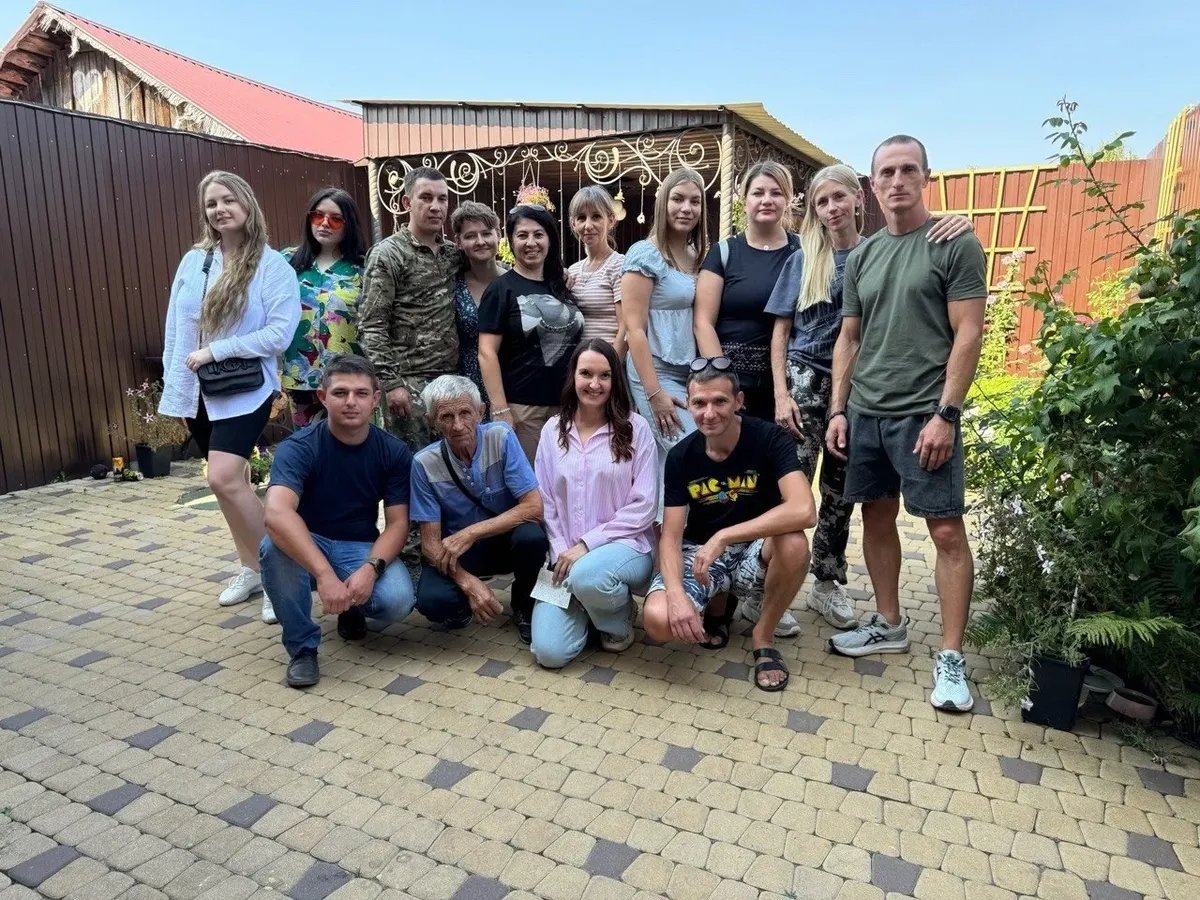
{"x": 329, "y": 265}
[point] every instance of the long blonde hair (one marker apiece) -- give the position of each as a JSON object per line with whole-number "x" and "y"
{"x": 782, "y": 176}
{"x": 226, "y": 299}
{"x": 659, "y": 227}
{"x": 814, "y": 237}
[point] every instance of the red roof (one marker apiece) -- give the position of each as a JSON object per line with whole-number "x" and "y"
{"x": 257, "y": 112}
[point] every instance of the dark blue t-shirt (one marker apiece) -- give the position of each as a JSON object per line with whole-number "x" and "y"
{"x": 340, "y": 485}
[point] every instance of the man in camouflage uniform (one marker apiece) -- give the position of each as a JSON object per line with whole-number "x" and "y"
{"x": 406, "y": 320}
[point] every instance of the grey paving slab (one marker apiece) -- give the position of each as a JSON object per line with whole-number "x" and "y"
{"x": 610, "y": 859}
{"x": 19, "y": 720}
{"x": 319, "y": 882}
{"x": 892, "y": 875}
{"x": 34, "y": 871}
{"x": 84, "y": 618}
{"x": 851, "y": 777}
{"x": 735, "y": 671}
{"x": 865, "y": 666}
{"x": 86, "y": 659}
{"x": 1163, "y": 782}
{"x": 1021, "y": 770}
{"x": 152, "y": 603}
{"x": 477, "y": 887}
{"x": 1153, "y": 851}
{"x": 112, "y": 802}
{"x": 493, "y": 668}
{"x": 1106, "y": 890}
{"x": 530, "y": 718}
{"x": 311, "y": 732}
{"x": 34, "y": 558}
{"x": 200, "y": 671}
{"x": 599, "y": 675}
{"x": 18, "y": 619}
{"x": 151, "y": 737}
{"x": 681, "y": 759}
{"x": 402, "y": 684}
{"x": 804, "y": 721}
{"x": 447, "y": 773}
{"x": 248, "y": 811}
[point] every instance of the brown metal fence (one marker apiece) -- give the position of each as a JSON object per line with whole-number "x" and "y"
{"x": 96, "y": 214}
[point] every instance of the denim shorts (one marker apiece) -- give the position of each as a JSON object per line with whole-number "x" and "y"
{"x": 882, "y": 465}
{"x": 740, "y": 570}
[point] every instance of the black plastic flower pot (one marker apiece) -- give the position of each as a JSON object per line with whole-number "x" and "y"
{"x": 152, "y": 462}
{"x": 1054, "y": 696}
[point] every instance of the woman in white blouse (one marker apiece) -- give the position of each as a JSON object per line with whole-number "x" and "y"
{"x": 233, "y": 298}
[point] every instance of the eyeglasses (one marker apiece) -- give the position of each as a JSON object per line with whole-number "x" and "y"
{"x": 521, "y": 206}
{"x": 720, "y": 363}
{"x": 333, "y": 220}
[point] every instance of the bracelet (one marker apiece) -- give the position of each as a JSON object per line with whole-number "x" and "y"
{"x": 655, "y": 394}
{"x": 834, "y": 415}
{"x": 499, "y": 412}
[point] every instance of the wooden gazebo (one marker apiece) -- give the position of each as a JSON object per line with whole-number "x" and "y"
{"x": 488, "y": 150}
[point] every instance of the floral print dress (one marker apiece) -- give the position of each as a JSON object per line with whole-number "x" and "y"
{"x": 467, "y": 316}
{"x": 328, "y": 326}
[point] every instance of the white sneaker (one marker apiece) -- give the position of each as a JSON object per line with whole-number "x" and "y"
{"x": 752, "y": 612}
{"x": 950, "y": 688}
{"x": 875, "y": 635}
{"x": 611, "y": 644}
{"x": 241, "y": 586}
{"x": 833, "y": 603}
{"x": 268, "y": 611}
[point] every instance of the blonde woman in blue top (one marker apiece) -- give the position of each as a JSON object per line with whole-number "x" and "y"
{"x": 329, "y": 268}
{"x": 658, "y": 292}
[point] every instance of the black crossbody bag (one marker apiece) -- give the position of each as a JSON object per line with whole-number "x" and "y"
{"x": 235, "y": 375}
{"x": 470, "y": 495}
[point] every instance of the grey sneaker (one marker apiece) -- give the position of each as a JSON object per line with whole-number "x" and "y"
{"x": 268, "y": 610}
{"x": 241, "y": 586}
{"x": 950, "y": 688}
{"x": 752, "y": 612}
{"x": 611, "y": 644}
{"x": 873, "y": 636}
{"x": 833, "y": 603}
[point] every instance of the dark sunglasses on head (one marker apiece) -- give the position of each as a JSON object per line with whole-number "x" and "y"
{"x": 334, "y": 220}
{"x": 521, "y": 206}
{"x": 720, "y": 363}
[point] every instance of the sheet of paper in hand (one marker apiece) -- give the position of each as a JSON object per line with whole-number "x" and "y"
{"x": 544, "y": 589}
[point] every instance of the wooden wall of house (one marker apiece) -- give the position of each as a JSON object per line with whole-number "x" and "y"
{"x": 92, "y": 82}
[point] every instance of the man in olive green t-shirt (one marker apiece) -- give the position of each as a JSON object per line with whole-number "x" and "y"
{"x": 912, "y": 324}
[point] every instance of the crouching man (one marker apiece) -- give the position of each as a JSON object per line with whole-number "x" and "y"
{"x": 477, "y": 501}
{"x": 327, "y": 482}
{"x": 736, "y": 506}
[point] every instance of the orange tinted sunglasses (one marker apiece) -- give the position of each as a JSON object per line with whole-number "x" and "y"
{"x": 333, "y": 220}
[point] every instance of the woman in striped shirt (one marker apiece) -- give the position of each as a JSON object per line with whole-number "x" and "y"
{"x": 597, "y": 467}
{"x": 595, "y": 281}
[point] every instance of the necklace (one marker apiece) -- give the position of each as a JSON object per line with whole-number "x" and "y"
{"x": 584, "y": 275}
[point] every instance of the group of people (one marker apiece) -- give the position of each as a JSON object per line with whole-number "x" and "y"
{"x": 640, "y": 424}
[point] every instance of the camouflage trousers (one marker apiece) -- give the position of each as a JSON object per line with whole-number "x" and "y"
{"x": 414, "y": 429}
{"x": 810, "y": 390}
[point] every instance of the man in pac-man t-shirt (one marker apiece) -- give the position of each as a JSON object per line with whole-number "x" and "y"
{"x": 735, "y": 508}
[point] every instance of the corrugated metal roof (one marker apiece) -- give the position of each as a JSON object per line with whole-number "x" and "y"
{"x": 255, "y": 112}
{"x": 753, "y": 114}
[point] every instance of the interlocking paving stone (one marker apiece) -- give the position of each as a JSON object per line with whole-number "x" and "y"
{"x": 1021, "y": 770}
{"x": 200, "y": 671}
{"x": 734, "y": 670}
{"x": 218, "y": 577}
{"x": 1162, "y": 781}
{"x": 208, "y": 529}
{"x": 610, "y": 859}
{"x": 118, "y": 564}
{"x": 77, "y": 532}
{"x": 402, "y": 684}
{"x": 1104, "y": 890}
{"x": 249, "y": 811}
{"x": 153, "y": 603}
{"x": 530, "y": 718}
{"x": 150, "y": 548}
{"x": 4, "y": 651}
{"x": 599, "y": 675}
{"x": 893, "y": 875}
{"x": 19, "y": 619}
{"x": 112, "y": 802}
{"x": 864, "y": 666}
{"x": 236, "y": 621}
{"x": 806, "y": 722}
{"x": 319, "y": 882}
{"x": 493, "y": 668}
{"x": 21, "y": 719}
{"x": 34, "y": 558}
{"x": 681, "y": 759}
{"x": 126, "y": 534}
{"x": 34, "y": 871}
{"x": 151, "y": 737}
{"x": 84, "y": 618}
{"x": 447, "y": 773}
{"x": 311, "y": 732}
{"x": 479, "y": 888}
{"x": 120, "y": 523}
{"x": 983, "y": 706}
{"x": 88, "y": 658}
{"x": 1153, "y": 851}
{"x": 851, "y": 777}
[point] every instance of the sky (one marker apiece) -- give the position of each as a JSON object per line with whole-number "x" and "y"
{"x": 974, "y": 79}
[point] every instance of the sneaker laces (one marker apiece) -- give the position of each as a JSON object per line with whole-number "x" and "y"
{"x": 242, "y": 578}
{"x": 950, "y": 667}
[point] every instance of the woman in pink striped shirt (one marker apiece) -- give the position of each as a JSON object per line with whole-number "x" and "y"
{"x": 597, "y": 467}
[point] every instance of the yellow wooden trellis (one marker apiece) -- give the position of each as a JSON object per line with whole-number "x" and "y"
{"x": 1172, "y": 162}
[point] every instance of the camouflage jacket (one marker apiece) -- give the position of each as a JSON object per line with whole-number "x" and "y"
{"x": 406, "y": 315}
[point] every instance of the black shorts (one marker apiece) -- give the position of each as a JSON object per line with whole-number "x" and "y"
{"x": 881, "y": 465}
{"x": 237, "y": 435}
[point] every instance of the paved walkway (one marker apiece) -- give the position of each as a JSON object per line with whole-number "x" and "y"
{"x": 149, "y": 748}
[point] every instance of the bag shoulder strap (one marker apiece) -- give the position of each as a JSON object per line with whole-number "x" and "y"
{"x": 723, "y": 249}
{"x": 208, "y": 261}
{"x": 469, "y": 494}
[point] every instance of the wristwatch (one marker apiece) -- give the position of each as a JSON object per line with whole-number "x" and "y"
{"x": 949, "y": 413}
{"x": 377, "y": 564}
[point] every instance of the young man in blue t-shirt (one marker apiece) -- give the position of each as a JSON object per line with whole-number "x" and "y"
{"x": 327, "y": 482}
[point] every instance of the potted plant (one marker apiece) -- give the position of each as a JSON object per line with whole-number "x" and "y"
{"x": 153, "y": 435}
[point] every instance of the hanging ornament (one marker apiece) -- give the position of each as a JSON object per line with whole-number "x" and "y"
{"x": 642, "y": 207}
{"x": 619, "y": 205}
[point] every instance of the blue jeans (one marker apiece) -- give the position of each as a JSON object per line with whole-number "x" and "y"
{"x": 602, "y": 584}
{"x": 290, "y": 587}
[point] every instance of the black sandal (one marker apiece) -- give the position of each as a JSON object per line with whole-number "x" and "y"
{"x": 716, "y": 626}
{"x": 768, "y": 659}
